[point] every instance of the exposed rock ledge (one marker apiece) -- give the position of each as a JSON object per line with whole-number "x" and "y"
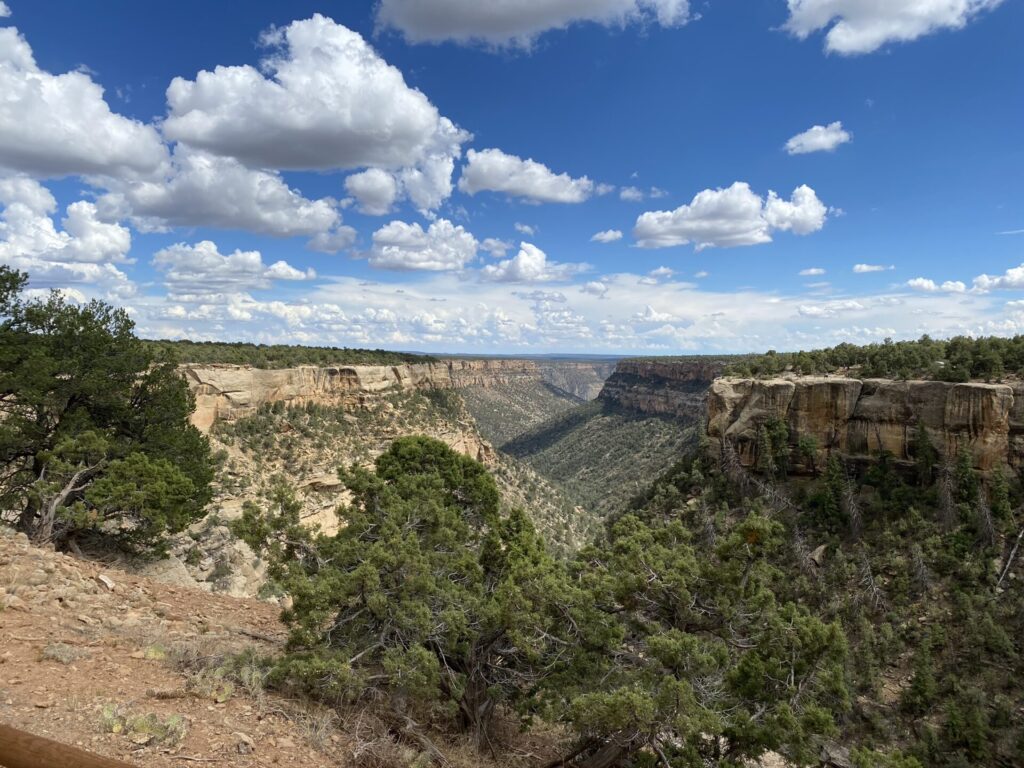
{"x": 673, "y": 388}
{"x": 862, "y": 418}
{"x": 226, "y": 392}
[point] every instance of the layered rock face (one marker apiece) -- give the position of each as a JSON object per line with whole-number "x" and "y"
{"x": 581, "y": 379}
{"x": 227, "y": 392}
{"x": 860, "y": 419}
{"x": 662, "y": 388}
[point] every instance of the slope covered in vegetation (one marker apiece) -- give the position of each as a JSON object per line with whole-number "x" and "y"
{"x": 506, "y": 410}
{"x": 601, "y": 455}
{"x": 921, "y": 570}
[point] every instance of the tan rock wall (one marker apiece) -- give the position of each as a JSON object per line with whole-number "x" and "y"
{"x": 863, "y": 418}
{"x": 226, "y": 392}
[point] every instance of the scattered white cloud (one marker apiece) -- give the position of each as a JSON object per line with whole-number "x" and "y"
{"x": 930, "y": 286}
{"x": 530, "y": 265}
{"x": 701, "y": 275}
{"x": 517, "y": 24}
{"x": 819, "y": 138}
{"x": 863, "y": 269}
{"x": 200, "y": 271}
{"x": 595, "y": 288}
{"x": 863, "y": 26}
{"x": 495, "y": 171}
{"x": 442, "y": 246}
{"x": 1012, "y": 278}
{"x": 83, "y": 252}
{"x": 1012, "y": 232}
{"x": 730, "y": 217}
{"x": 525, "y": 229}
{"x": 830, "y": 308}
{"x": 811, "y": 272}
{"x": 60, "y": 125}
{"x": 662, "y": 272}
{"x": 631, "y": 194}
{"x": 497, "y": 249}
{"x": 5, "y": 10}
{"x": 375, "y": 191}
{"x": 607, "y": 236}
{"x": 328, "y": 101}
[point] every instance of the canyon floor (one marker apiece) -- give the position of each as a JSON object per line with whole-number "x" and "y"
{"x": 129, "y": 668}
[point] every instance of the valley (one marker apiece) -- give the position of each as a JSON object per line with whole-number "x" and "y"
{"x": 861, "y": 534}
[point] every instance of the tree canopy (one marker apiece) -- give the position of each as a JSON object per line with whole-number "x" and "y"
{"x": 94, "y": 432}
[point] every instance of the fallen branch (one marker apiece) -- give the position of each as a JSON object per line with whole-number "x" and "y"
{"x": 1009, "y": 560}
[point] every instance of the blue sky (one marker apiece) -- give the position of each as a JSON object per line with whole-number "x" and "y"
{"x": 430, "y": 175}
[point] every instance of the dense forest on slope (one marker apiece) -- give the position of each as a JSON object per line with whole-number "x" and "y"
{"x": 275, "y": 355}
{"x": 506, "y": 410}
{"x": 602, "y": 455}
{"x": 958, "y": 359}
{"x": 922, "y": 570}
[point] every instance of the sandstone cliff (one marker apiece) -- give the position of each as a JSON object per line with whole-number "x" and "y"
{"x": 228, "y": 392}
{"x": 673, "y": 388}
{"x": 863, "y": 418}
{"x": 583, "y": 379}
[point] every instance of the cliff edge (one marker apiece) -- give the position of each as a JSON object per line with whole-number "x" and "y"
{"x": 863, "y": 418}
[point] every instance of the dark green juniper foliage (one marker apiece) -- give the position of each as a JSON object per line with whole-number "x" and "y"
{"x": 94, "y": 436}
{"x": 650, "y": 642}
{"x": 916, "y": 592}
{"x": 958, "y": 359}
{"x": 426, "y": 593}
{"x": 277, "y": 355}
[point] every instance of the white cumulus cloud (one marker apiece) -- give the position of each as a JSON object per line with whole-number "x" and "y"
{"x": 202, "y": 272}
{"x": 811, "y": 272}
{"x": 201, "y": 189}
{"x": 1012, "y": 278}
{"x": 83, "y": 251}
{"x": 930, "y": 286}
{"x": 530, "y": 265}
{"x": 731, "y": 216}
{"x": 607, "y": 236}
{"x": 863, "y": 26}
{"x": 517, "y": 23}
{"x": 5, "y": 10}
{"x": 495, "y": 171}
{"x": 819, "y": 138}
{"x": 328, "y": 101}
{"x": 375, "y": 191}
{"x": 442, "y": 246}
{"x": 60, "y": 125}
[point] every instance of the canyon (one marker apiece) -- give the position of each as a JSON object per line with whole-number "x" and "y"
{"x": 229, "y": 392}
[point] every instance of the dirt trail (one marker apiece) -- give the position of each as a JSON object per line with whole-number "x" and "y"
{"x": 86, "y": 650}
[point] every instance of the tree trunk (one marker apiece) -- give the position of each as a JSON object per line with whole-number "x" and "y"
{"x": 607, "y": 755}
{"x": 476, "y": 709}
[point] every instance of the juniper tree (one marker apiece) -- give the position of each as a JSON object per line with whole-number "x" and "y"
{"x": 426, "y": 594}
{"x": 712, "y": 668}
{"x": 94, "y": 433}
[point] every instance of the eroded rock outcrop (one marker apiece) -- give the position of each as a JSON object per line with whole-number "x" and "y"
{"x": 673, "y": 388}
{"x": 228, "y": 392}
{"x": 861, "y": 419}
